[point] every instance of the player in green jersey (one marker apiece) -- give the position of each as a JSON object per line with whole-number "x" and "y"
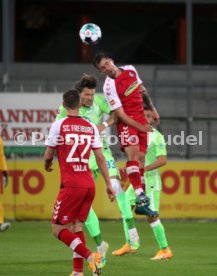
{"x": 92, "y": 108}
{"x": 156, "y": 157}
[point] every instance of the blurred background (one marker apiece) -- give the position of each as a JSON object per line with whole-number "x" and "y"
{"x": 173, "y": 46}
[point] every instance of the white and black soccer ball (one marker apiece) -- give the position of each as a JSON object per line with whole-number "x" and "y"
{"x": 90, "y": 34}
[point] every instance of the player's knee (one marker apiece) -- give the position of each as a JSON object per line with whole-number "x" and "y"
{"x": 78, "y": 227}
{"x": 55, "y": 230}
{"x": 116, "y": 185}
{"x": 152, "y": 219}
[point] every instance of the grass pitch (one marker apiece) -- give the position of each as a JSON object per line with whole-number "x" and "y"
{"x": 29, "y": 248}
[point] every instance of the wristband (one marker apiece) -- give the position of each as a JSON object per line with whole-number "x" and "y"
{"x": 105, "y": 124}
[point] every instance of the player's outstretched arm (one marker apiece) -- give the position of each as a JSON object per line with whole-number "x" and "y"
{"x": 148, "y": 103}
{"x": 100, "y": 160}
{"x": 122, "y": 116}
{"x": 159, "y": 162}
{"x": 48, "y": 159}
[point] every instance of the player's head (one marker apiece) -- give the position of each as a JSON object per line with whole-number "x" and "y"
{"x": 87, "y": 88}
{"x": 71, "y": 99}
{"x": 148, "y": 115}
{"x": 105, "y": 65}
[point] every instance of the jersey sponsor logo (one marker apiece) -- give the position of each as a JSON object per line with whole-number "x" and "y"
{"x": 112, "y": 102}
{"x": 65, "y": 218}
{"x": 132, "y": 74}
{"x": 161, "y": 146}
{"x": 132, "y": 139}
{"x": 131, "y": 88}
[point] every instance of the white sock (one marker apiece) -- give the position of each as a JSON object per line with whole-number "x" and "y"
{"x": 134, "y": 237}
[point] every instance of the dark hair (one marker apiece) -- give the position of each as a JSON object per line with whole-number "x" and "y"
{"x": 71, "y": 99}
{"x": 86, "y": 81}
{"x": 98, "y": 57}
{"x": 147, "y": 108}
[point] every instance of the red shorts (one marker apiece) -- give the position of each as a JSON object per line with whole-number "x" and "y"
{"x": 72, "y": 203}
{"x": 130, "y": 136}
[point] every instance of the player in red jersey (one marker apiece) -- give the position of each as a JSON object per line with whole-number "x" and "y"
{"x": 73, "y": 138}
{"x": 125, "y": 93}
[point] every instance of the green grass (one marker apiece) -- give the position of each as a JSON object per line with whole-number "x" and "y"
{"x": 29, "y": 248}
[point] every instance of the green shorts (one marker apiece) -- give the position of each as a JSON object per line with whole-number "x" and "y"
{"x": 151, "y": 192}
{"x": 111, "y": 165}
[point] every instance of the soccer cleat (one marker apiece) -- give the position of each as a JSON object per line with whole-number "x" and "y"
{"x": 102, "y": 249}
{"x": 142, "y": 202}
{"x": 94, "y": 264}
{"x": 76, "y": 274}
{"x": 125, "y": 249}
{"x": 4, "y": 226}
{"x": 145, "y": 210}
{"x": 143, "y": 199}
{"x": 163, "y": 254}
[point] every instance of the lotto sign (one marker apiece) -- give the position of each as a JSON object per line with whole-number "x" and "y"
{"x": 189, "y": 190}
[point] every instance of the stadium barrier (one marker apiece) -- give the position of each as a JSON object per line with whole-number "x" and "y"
{"x": 189, "y": 191}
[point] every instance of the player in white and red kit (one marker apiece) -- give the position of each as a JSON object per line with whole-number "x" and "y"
{"x": 123, "y": 92}
{"x": 73, "y": 138}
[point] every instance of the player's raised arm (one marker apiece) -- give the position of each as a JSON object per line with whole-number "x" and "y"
{"x": 148, "y": 103}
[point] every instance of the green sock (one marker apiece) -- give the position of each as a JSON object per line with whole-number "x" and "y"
{"x": 126, "y": 233}
{"x": 92, "y": 224}
{"x": 127, "y": 215}
{"x": 159, "y": 233}
{"x": 125, "y": 209}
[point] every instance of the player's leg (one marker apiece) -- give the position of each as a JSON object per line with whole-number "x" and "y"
{"x": 142, "y": 201}
{"x": 122, "y": 201}
{"x": 126, "y": 212}
{"x": 92, "y": 222}
{"x": 133, "y": 172}
{"x": 3, "y": 225}
{"x": 72, "y": 206}
{"x": 127, "y": 248}
{"x": 95, "y": 260}
{"x": 157, "y": 226}
{"x": 131, "y": 149}
{"x": 78, "y": 260}
{"x": 76, "y": 241}
{"x": 132, "y": 167}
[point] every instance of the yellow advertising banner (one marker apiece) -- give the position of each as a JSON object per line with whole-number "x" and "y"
{"x": 189, "y": 191}
{"x": 31, "y": 191}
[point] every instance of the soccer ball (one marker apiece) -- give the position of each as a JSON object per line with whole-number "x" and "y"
{"x": 90, "y": 34}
